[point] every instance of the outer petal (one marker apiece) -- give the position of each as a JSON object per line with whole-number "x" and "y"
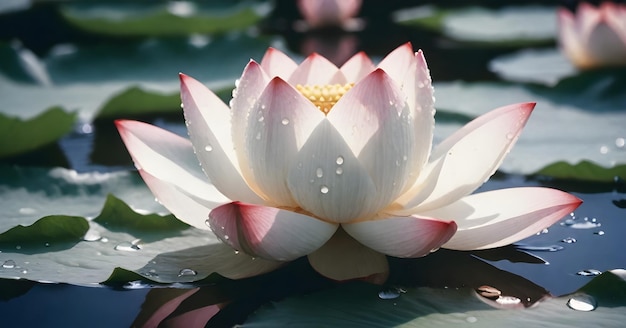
{"x": 269, "y": 232}
{"x": 570, "y": 39}
{"x": 316, "y": 69}
{"x": 191, "y": 209}
{"x": 281, "y": 123}
{"x": 606, "y": 43}
{"x": 166, "y": 157}
{"x": 409, "y": 236}
{"x": 470, "y": 156}
{"x": 328, "y": 12}
{"x": 276, "y": 63}
{"x": 209, "y": 124}
{"x": 397, "y": 62}
{"x": 357, "y": 67}
{"x": 376, "y": 122}
{"x": 329, "y": 181}
{"x": 501, "y": 217}
{"x": 343, "y": 258}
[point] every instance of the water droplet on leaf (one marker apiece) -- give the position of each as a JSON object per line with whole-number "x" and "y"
{"x": 187, "y": 272}
{"x": 324, "y": 190}
{"x": 8, "y": 264}
{"x": 582, "y": 302}
{"x": 589, "y": 272}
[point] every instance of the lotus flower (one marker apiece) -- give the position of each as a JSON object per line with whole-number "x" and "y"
{"x": 324, "y": 13}
{"x": 594, "y": 37}
{"x": 336, "y": 164}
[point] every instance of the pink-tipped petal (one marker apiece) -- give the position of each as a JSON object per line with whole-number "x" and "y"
{"x": 278, "y": 126}
{"x": 209, "y": 123}
{"x": 606, "y": 42}
{"x": 276, "y": 63}
{"x": 191, "y": 209}
{"x": 570, "y": 39}
{"x": 470, "y": 156}
{"x": 501, "y": 217}
{"x": 407, "y": 237}
{"x": 357, "y": 67}
{"x": 269, "y": 232}
{"x": 397, "y": 62}
{"x": 343, "y": 258}
{"x": 316, "y": 70}
{"x": 167, "y": 157}
{"x": 329, "y": 181}
{"x": 376, "y": 122}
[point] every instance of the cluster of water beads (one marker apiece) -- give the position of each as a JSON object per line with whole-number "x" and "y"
{"x": 133, "y": 246}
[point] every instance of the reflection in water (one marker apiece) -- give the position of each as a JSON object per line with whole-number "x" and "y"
{"x": 230, "y": 302}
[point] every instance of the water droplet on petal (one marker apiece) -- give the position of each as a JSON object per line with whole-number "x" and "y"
{"x": 226, "y": 237}
{"x": 508, "y": 300}
{"x": 8, "y": 264}
{"x": 339, "y": 160}
{"x": 208, "y": 148}
{"x": 582, "y": 302}
{"x": 319, "y": 172}
{"x": 285, "y": 121}
{"x": 324, "y": 190}
{"x": 187, "y": 272}
{"x": 509, "y": 136}
{"x": 599, "y": 233}
{"x": 568, "y": 240}
{"x": 237, "y": 83}
{"x": 339, "y": 171}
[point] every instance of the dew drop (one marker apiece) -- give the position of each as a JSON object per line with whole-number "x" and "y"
{"x": 582, "y": 302}
{"x": 599, "y": 233}
{"x": 508, "y": 300}
{"x": 319, "y": 172}
{"x": 589, "y": 272}
{"x": 620, "y": 142}
{"x": 92, "y": 235}
{"x": 604, "y": 150}
{"x": 509, "y": 136}
{"x": 8, "y": 264}
{"x": 208, "y": 148}
{"x": 236, "y": 252}
{"x": 324, "y": 190}
{"x": 421, "y": 85}
{"x": 187, "y": 272}
{"x": 24, "y": 271}
{"x": 226, "y": 237}
{"x": 285, "y": 121}
{"x": 231, "y": 102}
{"x": 568, "y": 240}
{"x": 391, "y": 293}
{"x": 237, "y": 83}
{"x": 27, "y": 210}
{"x": 18, "y": 247}
{"x": 471, "y": 319}
{"x": 261, "y": 118}
{"x": 127, "y": 247}
{"x": 339, "y": 171}
{"x": 263, "y": 106}
{"x": 549, "y": 248}
{"x": 339, "y": 160}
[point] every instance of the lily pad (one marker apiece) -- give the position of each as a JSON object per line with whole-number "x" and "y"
{"x": 584, "y": 170}
{"x": 543, "y": 66}
{"x": 508, "y": 26}
{"x": 19, "y": 136}
{"x": 164, "y": 19}
{"x": 45, "y": 231}
{"x": 360, "y": 305}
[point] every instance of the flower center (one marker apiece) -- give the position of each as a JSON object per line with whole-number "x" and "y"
{"x": 324, "y": 97}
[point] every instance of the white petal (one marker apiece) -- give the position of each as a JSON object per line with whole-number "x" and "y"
{"x": 208, "y": 121}
{"x": 276, "y": 63}
{"x": 501, "y": 217}
{"x": 397, "y": 62}
{"x": 327, "y": 180}
{"x": 570, "y": 39}
{"x": 269, "y": 232}
{"x": 281, "y": 122}
{"x": 409, "y": 236}
{"x": 316, "y": 70}
{"x": 470, "y": 156}
{"x": 343, "y": 258}
{"x": 357, "y": 67}
{"x": 167, "y": 157}
{"x": 376, "y": 122}
{"x": 191, "y": 209}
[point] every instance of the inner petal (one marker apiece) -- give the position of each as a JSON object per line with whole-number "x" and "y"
{"x": 324, "y": 97}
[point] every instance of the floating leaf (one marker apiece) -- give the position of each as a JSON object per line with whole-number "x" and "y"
{"x": 584, "y": 170}
{"x": 47, "y": 230}
{"x": 504, "y": 27}
{"x": 19, "y": 136}
{"x": 117, "y": 216}
{"x": 169, "y": 19}
{"x": 544, "y": 66}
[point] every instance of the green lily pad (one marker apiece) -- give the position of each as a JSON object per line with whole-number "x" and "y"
{"x": 584, "y": 170}
{"x": 357, "y": 304}
{"x": 165, "y": 19}
{"x": 542, "y": 66}
{"x": 45, "y": 231}
{"x": 117, "y": 216}
{"x": 19, "y": 136}
{"x": 508, "y": 26}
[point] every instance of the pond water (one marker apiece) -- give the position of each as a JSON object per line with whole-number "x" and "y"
{"x": 85, "y": 65}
